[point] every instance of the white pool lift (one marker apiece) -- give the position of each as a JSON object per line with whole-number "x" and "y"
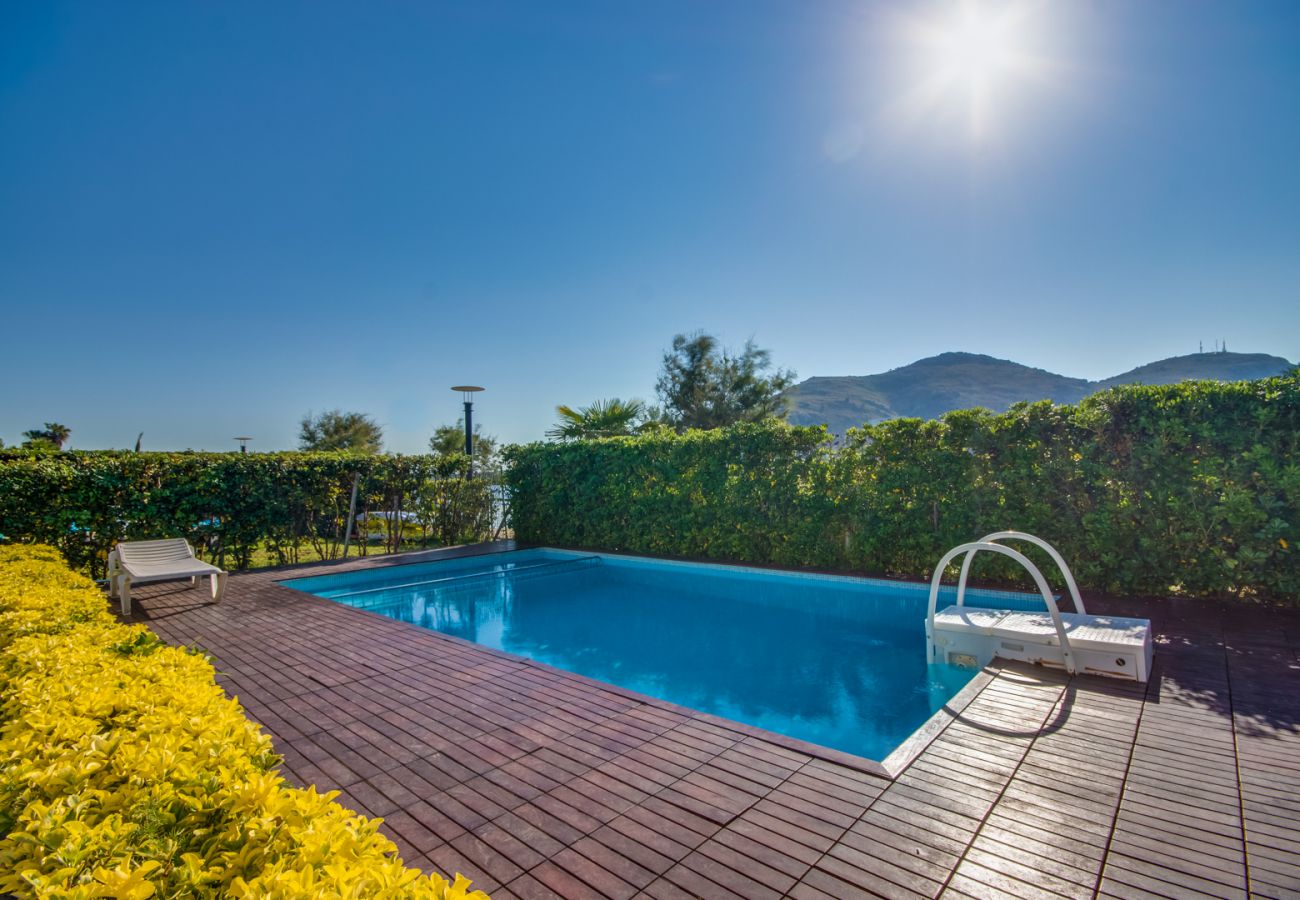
{"x": 1079, "y": 643}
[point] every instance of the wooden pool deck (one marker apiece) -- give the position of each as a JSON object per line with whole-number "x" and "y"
{"x": 539, "y": 783}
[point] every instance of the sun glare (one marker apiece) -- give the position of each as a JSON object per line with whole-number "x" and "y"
{"x": 969, "y": 59}
{"x": 972, "y": 48}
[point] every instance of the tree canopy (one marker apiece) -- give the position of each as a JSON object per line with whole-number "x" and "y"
{"x": 336, "y": 430}
{"x": 705, "y": 385}
{"x": 449, "y": 440}
{"x": 604, "y": 418}
{"x": 52, "y": 436}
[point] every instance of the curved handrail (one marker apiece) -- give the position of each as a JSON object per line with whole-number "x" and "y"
{"x": 1039, "y": 580}
{"x": 1033, "y": 539}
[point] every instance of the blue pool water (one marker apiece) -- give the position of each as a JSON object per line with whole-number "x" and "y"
{"x": 836, "y": 661}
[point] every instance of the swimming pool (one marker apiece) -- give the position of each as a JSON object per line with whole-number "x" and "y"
{"x": 835, "y": 661}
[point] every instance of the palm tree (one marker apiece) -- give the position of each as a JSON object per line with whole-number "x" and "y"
{"x": 53, "y": 434}
{"x": 604, "y": 418}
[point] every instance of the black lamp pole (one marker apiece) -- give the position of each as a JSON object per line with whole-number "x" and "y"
{"x": 469, "y": 429}
{"x": 467, "y": 391}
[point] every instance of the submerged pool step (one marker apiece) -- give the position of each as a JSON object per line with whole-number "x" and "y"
{"x": 543, "y": 568}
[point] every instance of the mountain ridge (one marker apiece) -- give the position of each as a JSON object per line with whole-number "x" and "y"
{"x": 934, "y": 385}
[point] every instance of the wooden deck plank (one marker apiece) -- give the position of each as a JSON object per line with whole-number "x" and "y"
{"x": 542, "y": 784}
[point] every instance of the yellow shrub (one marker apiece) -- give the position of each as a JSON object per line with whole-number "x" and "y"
{"x": 125, "y": 771}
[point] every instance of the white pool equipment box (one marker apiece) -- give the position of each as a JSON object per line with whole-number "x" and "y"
{"x": 1101, "y": 645}
{"x": 1077, "y": 642}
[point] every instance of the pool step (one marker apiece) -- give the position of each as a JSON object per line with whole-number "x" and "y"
{"x": 1100, "y": 645}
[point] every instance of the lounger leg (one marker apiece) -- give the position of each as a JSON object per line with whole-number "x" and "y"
{"x": 113, "y": 572}
{"x": 124, "y": 591}
{"x": 218, "y": 586}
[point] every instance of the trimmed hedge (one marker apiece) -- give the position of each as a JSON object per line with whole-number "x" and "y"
{"x": 229, "y": 504}
{"x": 1188, "y": 489}
{"x": 125, "y": 771}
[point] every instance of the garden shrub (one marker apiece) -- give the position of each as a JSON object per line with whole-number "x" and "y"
{"x": 1191, "y": 488}
{"x": 125, "y": 771}
{"x": 230, "y": 504}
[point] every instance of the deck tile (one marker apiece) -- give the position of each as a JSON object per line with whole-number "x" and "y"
{"x": 542, "y": 784}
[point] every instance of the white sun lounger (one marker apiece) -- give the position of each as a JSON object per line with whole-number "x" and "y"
{"x": 139, "y": 562}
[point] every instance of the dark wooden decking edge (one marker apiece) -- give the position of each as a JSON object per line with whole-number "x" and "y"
{"x": 1044, "y": 786}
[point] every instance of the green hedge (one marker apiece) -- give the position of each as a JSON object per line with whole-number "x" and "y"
{"x": 231, "y": 504}
{"x": 1191, "y": 488}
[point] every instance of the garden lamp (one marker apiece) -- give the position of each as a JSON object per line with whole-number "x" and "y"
{"x": 467, "y": 392}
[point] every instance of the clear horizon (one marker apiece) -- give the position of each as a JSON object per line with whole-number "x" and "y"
{"x": 217, "y": 218}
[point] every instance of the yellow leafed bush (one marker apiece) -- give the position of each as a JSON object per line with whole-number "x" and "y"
{"x": 125, "y": 771}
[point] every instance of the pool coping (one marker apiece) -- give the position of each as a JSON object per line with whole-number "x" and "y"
{"x": 893, "y": 765}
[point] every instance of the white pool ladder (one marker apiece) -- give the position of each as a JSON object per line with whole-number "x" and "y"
{"x": 989, "y": 543}
{"x": 1028, "y": 538}
{"x": 1102, "y": 645}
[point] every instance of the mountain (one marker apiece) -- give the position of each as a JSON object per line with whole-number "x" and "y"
{"x": 1203, "y": 366}
{"x": 930, "y": 387}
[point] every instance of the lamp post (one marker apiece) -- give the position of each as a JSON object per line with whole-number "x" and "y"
{"x": 243, "y": 443}
{"x": 467, "y": 392}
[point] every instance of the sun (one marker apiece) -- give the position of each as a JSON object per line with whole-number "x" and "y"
{"x": 970, "y": 59}
{"x": 974, "y": 47}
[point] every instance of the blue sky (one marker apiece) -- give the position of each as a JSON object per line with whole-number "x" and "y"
{"x": 216, "y": 217}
